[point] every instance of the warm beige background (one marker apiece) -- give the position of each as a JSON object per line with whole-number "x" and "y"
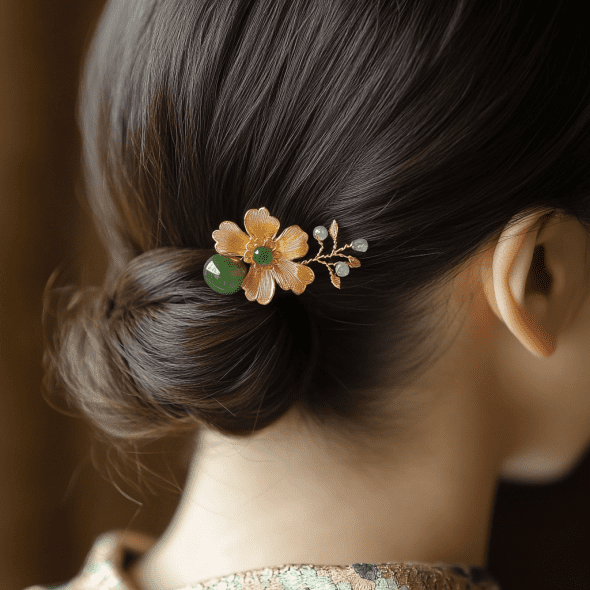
{"x": 46, "y": 526}
{"x": 53, "y": 503}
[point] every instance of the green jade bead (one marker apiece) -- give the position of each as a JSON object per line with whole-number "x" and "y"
{"x": 262, "y": 255}
{"x": 223, "y": 274}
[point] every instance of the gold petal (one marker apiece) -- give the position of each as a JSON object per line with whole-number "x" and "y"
{"x": 250, "y": 283}
{"x": 266, "y": 287}
{"x": 259, "y": 284}
{"x": 260, "y": 224}
{"x": 291, "y": 275}
{"x": 230, "y": 239}
{"x": 292, "y": 243}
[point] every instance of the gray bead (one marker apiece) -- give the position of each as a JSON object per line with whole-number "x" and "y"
{"x": 360, "y": 245}
{"x": 320, "y": 232}
{"x": 342, "y": 269}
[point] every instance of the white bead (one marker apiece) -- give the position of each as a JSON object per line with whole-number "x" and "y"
{"x": 360, "y": 245}
{"x": 342, "y": 269}
{"x": 320, "y": 232}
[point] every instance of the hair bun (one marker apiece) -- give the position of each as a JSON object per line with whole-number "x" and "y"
{"x": 169, "y": 354}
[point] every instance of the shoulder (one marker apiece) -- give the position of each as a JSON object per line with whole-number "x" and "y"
{"x": 106, "y": 564}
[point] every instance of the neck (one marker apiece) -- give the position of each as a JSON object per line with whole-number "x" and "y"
{"x": 282, "y": 496}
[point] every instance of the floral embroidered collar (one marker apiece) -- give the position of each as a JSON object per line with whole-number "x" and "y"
{"x": 113, "y": 552}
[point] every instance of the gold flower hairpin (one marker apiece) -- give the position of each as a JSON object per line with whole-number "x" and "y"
{"x": 271, "y": 259}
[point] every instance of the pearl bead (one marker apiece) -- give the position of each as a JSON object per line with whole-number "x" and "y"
{"x": 342, "y": 269}
{"x": 320, "y": 232}
{"x": 360, "y": 245}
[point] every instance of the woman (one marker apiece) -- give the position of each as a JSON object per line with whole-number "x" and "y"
{"x": 349, "y": 437}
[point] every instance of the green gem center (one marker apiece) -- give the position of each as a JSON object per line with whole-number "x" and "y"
{"x": 262, "y": 255}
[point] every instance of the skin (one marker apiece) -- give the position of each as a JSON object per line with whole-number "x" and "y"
{"x": 509, "y": 399}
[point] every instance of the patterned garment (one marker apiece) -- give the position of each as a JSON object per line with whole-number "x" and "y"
{"x": 112, "y": 554}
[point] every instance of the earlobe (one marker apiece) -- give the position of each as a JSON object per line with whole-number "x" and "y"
{"x": 512, "y": 260}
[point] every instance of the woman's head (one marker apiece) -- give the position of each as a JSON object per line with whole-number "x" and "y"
{"x": 422, "y": 127}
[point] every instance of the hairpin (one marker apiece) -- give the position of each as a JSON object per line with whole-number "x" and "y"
{"x": 271, "y": 259}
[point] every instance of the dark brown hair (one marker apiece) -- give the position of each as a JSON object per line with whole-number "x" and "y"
{"x": 423, "y": 127}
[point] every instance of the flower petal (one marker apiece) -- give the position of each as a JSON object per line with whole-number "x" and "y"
{"x": 291, "y": 275}
{"x": 292, "y": 243}
{"x": 259, "y": 284}
{"x": 230, "y": 239}
{"x": 260, "y": 224}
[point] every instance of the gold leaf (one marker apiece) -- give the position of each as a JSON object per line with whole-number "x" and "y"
{"x": 353, "y": 262}
{"x": 335, "y": 280}
{"x": 333, "y": 230}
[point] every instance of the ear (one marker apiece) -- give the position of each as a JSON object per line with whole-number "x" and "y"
{"x": 538, "y": 278}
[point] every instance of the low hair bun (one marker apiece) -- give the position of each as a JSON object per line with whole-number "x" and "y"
{"x": 169, "y": 353}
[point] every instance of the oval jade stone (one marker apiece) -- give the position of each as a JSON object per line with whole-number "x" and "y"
{"x": 224, "y": 274}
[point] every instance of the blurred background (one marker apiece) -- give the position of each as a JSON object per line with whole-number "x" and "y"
{"x": 53, "y": 503}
